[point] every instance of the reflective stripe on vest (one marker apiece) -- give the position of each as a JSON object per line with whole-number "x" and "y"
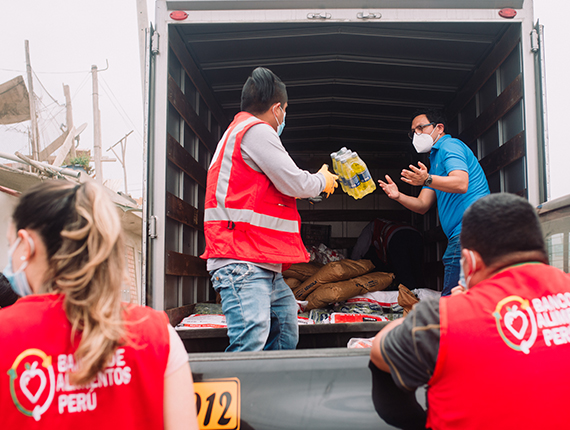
{"x": 251, "y": 217}
{"x": 221, "y": 213}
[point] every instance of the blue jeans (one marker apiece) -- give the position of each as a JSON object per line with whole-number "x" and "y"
{"x": 260, "y": 309}
{"x": 452, "y": 265}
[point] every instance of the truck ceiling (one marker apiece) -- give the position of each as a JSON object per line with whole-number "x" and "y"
{"x": 349, "y": 83}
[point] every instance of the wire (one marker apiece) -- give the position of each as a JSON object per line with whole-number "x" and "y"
{"x": 106, "y": 88}
{"x": 45, "y": 89}
{"x": 123, "y": 114}
{"x": 81, "y": 85}
{"x": 10, "y": 128}
{"x": 47, "y": 125}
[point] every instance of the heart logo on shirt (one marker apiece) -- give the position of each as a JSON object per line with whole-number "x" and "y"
{"x": 27, "y": 376}
{"x": 512, "y": 317}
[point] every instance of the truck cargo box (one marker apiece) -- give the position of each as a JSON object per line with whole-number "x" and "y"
{"x": 355, "y": 72}
{"x": 354, "y": 76}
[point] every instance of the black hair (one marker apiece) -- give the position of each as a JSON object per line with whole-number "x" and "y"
{"x": 7, "y": 295}
{"x": 433, "y": 115}
{"x": 48, "y": 209}
{"x": 501, "y": 224}
{"x": 261, "y": 90}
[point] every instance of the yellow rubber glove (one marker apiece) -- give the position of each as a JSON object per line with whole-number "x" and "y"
{"x": 331, "y": 180}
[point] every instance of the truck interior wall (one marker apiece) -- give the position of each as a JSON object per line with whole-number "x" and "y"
{"x": 353, "y": 85}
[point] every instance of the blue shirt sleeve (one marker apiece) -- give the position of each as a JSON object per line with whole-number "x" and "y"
{"x": 454, "y": 157}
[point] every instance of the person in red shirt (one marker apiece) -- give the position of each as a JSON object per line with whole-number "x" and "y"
{"x": 494, "y": 353}
{"x": 74, "y": 355}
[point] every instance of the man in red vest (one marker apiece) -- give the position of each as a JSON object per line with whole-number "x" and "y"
{"x": 493, "y": 354}
{"x": 251, "y": 223}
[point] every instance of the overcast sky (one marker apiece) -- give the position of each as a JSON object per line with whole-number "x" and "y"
{"x": 68, "y": 36}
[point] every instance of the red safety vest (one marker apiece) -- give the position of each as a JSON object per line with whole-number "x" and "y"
{"x": 37, "y": 356}
{"x": 245, "y": 216}
{"x": 503, "y": 356}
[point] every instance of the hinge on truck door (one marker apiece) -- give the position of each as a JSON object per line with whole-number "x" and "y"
{"x": 534, "y": 43}
{"x": 152, "y": 227}
{"x": 154, "y": 43}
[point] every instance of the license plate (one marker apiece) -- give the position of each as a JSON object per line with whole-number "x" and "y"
{"x": 218, "y": 404}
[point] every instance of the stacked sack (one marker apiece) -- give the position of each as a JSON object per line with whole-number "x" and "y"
{"x": 334, "y": 282}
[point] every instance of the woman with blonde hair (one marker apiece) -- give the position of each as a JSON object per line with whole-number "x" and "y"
{"x": 73, "y": 355}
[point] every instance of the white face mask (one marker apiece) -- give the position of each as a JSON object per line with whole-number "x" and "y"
{"x": 468, "y": 278}
{"x": 281, "y": 126}
{"x": 18, "y": 280}
{"x": 423, "y": 142}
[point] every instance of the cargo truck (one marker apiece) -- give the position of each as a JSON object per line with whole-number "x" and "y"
{"x": 355, "y": 71}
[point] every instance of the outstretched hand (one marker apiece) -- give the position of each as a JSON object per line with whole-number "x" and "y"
{"x": 389, "y": 187}
{"x": 416, "y": 175}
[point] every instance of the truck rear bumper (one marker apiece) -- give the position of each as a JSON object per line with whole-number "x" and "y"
{"x": 301, "y": 389}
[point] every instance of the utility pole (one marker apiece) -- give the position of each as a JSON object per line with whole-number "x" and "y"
{"x": 35, "y": 133}
{"x": 69, "y": 116}
{"x": 122, "y": 159}
{"x": 96, "y": 127}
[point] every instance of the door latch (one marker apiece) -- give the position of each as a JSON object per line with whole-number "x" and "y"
{"x": 319, "y": 15}
{"x": 368, "y": 15}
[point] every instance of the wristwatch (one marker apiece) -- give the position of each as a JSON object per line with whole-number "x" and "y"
{"x": 428, "y": 180}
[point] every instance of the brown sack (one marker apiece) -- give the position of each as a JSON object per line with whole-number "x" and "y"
{"x": 344, "y": 290}
{"x": 333, "y": 272}
{"x": 302, "y": 271}
{"x": 292, "y": 282}
{"x": 406, "y": 299}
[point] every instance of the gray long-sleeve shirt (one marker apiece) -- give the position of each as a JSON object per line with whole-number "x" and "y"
{"x": 263, "y": 151}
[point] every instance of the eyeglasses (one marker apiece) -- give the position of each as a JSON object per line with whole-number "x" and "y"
{"x": 419, "y": 129}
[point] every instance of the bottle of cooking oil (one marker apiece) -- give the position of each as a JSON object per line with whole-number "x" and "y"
{"x": 367, "y": 184}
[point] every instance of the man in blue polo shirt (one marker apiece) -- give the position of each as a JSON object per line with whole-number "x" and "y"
{"x": 455, "y": 180}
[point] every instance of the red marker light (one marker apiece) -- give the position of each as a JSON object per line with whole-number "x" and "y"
{"x": 507, "y": 13}
{"x": 178, "y": 15}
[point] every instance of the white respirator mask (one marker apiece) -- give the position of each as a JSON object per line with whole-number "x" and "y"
{"x": 423, "y": 142}
{"x": 473, "y": 263}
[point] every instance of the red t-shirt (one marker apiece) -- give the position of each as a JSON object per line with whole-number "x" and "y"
{"x": 494, "y": 357}
{"x": 503, "y": 356}
{"x": 37, "y": 358}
